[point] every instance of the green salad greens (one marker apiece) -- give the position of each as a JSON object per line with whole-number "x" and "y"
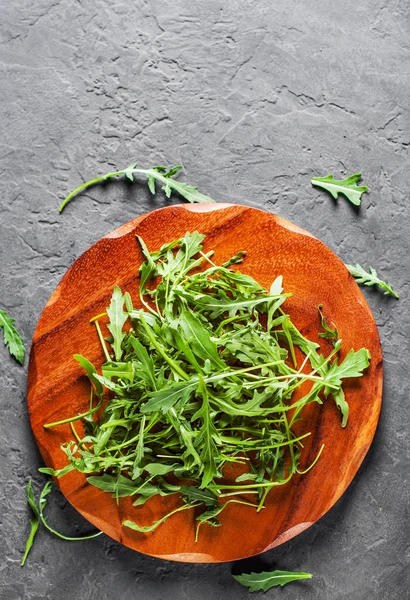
{"x": 199, "y": 377}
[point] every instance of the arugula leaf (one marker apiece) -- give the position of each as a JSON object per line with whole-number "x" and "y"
{"x": 38, "y": 516}
{"x": 34, "y": 522}
{"x": 153, "y": 526}
{"x": 348, "y": 187}
{"x": 91, "y": 372}
{"x": 218, "y": 307}
{"x": 371, "y": 278}
{"x": 353, "y": 366}
{"x": 148, "y": 268}
{"x": 199, "y": 338}
{"x": 205, "y": 439}
{"x": 12, "y": 338}
{"x": 194, "y": 494}
{"x": 342, "y": 405}
{"x": 118, "y": 485}
{"x": 165, "y": 398}
{"x": 146, "y": 364}
{"x": 123, "y": 370}
{"x": 268, "y": 579}
{"x": 117, "y": 318}
{"x": 160, "y": 174}
{"x": 329, "y": 334}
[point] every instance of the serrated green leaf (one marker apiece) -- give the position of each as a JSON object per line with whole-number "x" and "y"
{"x": 165, "y": 398}
{"x": 371, "y": 278}
{"x": 353, "y": 366}
{"x": 12, "y": 338}
{"x": 266, "y": 580}
{"x": 348, "y": 187}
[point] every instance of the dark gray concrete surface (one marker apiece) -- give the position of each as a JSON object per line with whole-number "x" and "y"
{"x": 253, "y": 99}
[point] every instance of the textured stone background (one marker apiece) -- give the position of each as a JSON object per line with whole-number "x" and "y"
{"x": 253, "y": 98}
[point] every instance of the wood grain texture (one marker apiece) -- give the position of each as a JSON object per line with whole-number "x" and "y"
{"x": 312, "y": 272}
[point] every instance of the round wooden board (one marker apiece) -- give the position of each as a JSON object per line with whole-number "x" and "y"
{"x": 57, "y": 388}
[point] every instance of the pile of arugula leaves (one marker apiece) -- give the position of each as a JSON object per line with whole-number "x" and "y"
{"x": 203, "y": 378}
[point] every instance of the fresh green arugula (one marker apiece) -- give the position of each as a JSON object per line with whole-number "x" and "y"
{"x": 328, "y": 333}
{"x": 371, "y": 278}
{"x": 200, "y": 376}
{"x": 264, "y": 581}
{"x": 163, "y": 175}
{"x": 348, "y": 187}
{"x": 12, "y": 338}
{"x": 39, "y": 517}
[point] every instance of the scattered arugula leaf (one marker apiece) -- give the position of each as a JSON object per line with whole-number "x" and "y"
{"x": 348, "y": 187}
{"x": 371, "y": 278}
{"x": 268, "y": 579}
{"x": 200, "y": 378}
{"x": 162, "y": 175}
{"x": 34, "y": 522}
{"x": 12, "y": 338}
{"x": 39, "y": 517}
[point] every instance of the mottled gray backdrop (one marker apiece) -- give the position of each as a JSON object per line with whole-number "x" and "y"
{"x": 253, "y": 99}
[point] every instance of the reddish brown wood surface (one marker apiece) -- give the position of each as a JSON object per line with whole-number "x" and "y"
{"x": 57, "y": 388}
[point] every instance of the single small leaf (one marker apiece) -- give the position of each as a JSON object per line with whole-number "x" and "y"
{"x": 151, "y": 185}
{"x": 195, "y": 494}
{"x": 190, "y": 192}
{"x": 165, "y": 398}
{"x": 199, "y": 338}
{"x": 348, "y": 187}
{"x": 159, "y": 469}
{"x": 148, "y": 268}
{"x": 329, "y": 334}
{"x": 117, "y": 318}
{"x": 12, "y": 338}
{"x": 129, "y": 171}
{"x": 34, "y": 522}
{"x": 371, "y": 278}
{"x": 56, "y": 472}
{"x": 91, "y": 372}
{"x": 145, "y": 367}
{"x": 342, "y": 405}
{"x": 118, "y": 485}
{"x": 218, "y": 307}
{"x": 266, "y": 580}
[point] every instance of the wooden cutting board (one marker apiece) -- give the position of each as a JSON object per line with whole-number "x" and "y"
{"x": 57, "y": 388}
